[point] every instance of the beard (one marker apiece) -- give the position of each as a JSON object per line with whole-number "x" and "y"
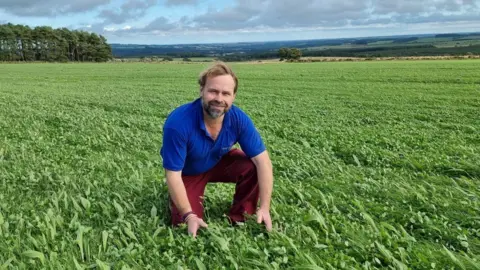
{"x": 214, "y": 112}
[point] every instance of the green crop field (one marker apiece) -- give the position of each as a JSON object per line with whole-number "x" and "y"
{"x": 377, "y": 166}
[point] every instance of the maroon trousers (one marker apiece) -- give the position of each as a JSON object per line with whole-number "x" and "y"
{"x": 234, "y": 167}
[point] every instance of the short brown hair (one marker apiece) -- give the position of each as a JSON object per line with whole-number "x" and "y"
{"x": 218, "y": 69}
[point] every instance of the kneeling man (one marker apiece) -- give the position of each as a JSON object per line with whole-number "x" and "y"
{"x": 197, "y": 149}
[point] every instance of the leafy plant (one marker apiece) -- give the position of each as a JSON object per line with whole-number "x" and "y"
{"x": 376, "y": 166}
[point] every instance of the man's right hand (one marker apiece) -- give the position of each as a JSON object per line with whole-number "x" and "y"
{"x": 194, "y": 222}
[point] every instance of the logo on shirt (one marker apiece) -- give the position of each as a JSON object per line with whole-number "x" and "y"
{"x": 224, "y": 149}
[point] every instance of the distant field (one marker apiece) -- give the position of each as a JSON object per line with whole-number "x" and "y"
{"x": 432, "y": 40}
{"x": 379, "y": 44}
{"x": 175, "y": 59}
{"x": 458, "y": 43}
{"x": 376, "y": 167}
{"x": 437, "y": 42}
{"x": 196, "y": 59}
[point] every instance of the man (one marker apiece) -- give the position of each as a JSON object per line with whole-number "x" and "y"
{"x": 197, "y": 149}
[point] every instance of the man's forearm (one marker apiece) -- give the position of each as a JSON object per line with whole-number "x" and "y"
{"x": 178, "y": 193}
{"x": 265, "y": 182}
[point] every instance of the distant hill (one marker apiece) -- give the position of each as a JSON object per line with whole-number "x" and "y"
{"x": 400, "y": 45}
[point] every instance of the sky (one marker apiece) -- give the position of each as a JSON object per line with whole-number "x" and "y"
{"x": 209, "y": 21}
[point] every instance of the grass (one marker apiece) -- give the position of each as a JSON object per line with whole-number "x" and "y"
{"x": 376, "y": 166}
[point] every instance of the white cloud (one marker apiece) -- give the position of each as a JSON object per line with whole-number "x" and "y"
{"x": 130, "y": 9}
{"x": 48, "y": 8}
{"x": 180, "y": 2}
{"x": 254, "y": 16}
{"x": 332, "y": 13}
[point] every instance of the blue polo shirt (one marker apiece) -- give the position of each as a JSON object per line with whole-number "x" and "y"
{"x": 187, "y": 145}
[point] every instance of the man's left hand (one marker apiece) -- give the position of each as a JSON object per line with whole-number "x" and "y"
{"x": 264, "y": 215}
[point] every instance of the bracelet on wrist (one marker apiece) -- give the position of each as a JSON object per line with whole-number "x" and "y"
{"x": 186, "y": 215}
{"x": 190, "y": 217}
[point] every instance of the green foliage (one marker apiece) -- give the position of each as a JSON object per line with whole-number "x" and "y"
{"x": 289, "y": 53}
{"x": 376, "y": 167}
{"x": 43, "y": 43}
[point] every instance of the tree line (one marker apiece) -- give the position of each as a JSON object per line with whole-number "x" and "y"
{"x": 285, "y": 54}
{"x": 44, "y": 43}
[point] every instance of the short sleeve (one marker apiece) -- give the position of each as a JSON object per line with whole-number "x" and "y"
{"x": 174, "y": 149}
{"x": 249, "y": 138}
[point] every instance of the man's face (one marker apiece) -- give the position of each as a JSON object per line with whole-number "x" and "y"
{"x": 218, "y": 95}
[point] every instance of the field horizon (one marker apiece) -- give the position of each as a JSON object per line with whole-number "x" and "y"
{"x": 374, "y": 167}
{"x": 303, "y": 59}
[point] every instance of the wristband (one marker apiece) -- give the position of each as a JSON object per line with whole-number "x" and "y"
{"x": 186, "y": 215}
{"x": 189, "y": 217}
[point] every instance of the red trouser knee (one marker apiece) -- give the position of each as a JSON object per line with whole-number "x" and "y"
{"x": 234, "y": 167}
